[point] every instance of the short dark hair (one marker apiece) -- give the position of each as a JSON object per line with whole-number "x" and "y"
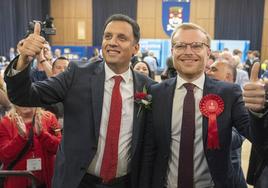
{"x": 237, "y": 51}
{"x": 59, "y": 58}
{"x": 256, "y": 53}
{"x": 125, "y": 18}
{"x": 144, "y": 62}
{"x": 249, "y": 52}
{"x": 212, "y": 57}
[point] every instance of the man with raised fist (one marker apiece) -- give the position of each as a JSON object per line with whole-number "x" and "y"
{"x": 103, "y": 125}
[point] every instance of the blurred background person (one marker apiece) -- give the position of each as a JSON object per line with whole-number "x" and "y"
{"x": 143, "y": 68}
{"x": 237, "y": 52}
{"x": 169, "y": 71}
{"x": 249, "y": 62}
{"x": 12, "y": 53}
{"x": 150, "y": 60}
{"x": 4, "y": 101}
{"x": 136, "y": 57}
{"x": 42, "y": 67}
{"x": 95, "y": 56}
{"x": 58, "y": 66}
{"x": 41, "y": 129}
{"x": 57, "y": 53}
{"x": 210, "y": 61}
{"x": 264, "y": 66}
{"x": 241, "y": 75}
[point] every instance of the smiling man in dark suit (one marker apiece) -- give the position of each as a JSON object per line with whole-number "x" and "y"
{"x": 103, "y": 130}
{"x": 188, "y": 140}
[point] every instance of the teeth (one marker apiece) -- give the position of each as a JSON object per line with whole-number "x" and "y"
{"x": 189, "y": 60}
{"x": 112, "y": 52}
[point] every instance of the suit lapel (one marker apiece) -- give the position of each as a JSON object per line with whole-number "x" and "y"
{"x": 138, "y": 87}
{"x": 168, "y": 106}
{"x": 97, "y": 96}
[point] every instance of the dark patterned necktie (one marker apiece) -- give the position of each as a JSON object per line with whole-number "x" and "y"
{"x": 186, "y": 167}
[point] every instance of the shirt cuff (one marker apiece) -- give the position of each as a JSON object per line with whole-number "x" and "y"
{"x": 12, "y": 71}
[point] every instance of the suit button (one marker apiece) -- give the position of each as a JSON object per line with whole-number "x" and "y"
{"x": 94, "y": 148}
{"x": 83, "y": 166}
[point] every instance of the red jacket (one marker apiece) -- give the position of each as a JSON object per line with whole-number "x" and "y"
{"x": 44, "y": 146}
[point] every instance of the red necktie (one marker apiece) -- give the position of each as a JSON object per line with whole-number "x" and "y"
{"x": 186, "y": 167}
{"x": 110, "y": 156}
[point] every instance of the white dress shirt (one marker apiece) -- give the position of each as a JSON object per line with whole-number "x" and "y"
{"x": 125, "y": 136}
{"x": 202, "y": 176}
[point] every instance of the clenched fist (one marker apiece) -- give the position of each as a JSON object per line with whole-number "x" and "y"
{"x": 254, "y": 91}
{"x": 30, "y": 47}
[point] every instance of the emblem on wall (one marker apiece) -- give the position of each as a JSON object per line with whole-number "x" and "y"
{"x": 174, "y": 12}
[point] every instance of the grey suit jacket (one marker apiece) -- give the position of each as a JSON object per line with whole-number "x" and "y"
{"x": 80, "y": 88}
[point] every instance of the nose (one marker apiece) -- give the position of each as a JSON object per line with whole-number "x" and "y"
{"x": 188, "y": 49}
{"x": 113, "y": 41}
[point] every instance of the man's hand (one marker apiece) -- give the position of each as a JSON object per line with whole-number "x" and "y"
{"x": 45, "y": 54}
{"x": 254, "y": 91}
{"x": 30, "y": 47}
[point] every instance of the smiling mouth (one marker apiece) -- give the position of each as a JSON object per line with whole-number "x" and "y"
{"x": 111, "y": 52}
{"x": 189, "y": 60}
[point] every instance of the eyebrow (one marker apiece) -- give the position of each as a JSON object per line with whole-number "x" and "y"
{"x": 122, "y": 35}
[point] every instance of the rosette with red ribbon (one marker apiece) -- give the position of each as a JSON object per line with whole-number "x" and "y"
{"x": 212, "y": 106}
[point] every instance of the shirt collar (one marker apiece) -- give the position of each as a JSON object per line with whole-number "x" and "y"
{"x": 109, "y": 74}
{"x": 199, "y": 82}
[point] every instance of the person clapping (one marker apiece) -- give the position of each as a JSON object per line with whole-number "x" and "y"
{"x": 36, "y": 132}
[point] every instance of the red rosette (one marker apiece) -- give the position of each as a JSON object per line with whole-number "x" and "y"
{"x": 212, "y": 106}
{"x": 140, "y": 95}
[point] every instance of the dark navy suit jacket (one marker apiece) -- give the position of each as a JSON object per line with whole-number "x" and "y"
{"x": 80, "y": 88}
{"x": 158, "y": 133}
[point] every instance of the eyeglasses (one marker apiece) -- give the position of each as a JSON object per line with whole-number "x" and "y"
{"x": 195, "y": 46}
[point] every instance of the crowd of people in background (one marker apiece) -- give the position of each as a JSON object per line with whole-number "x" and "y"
{"x": 45, "y": 125}
{"x": 41, "y": 71}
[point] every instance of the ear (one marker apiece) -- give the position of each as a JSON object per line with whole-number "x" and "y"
{"x": 208, "y": 51}
{"x": 136, "y": 48}
{"x": 229, "y": 77}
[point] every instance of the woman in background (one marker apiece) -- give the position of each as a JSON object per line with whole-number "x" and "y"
{"x": 143, "y": 68}
{"x": 16, "y": 129}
